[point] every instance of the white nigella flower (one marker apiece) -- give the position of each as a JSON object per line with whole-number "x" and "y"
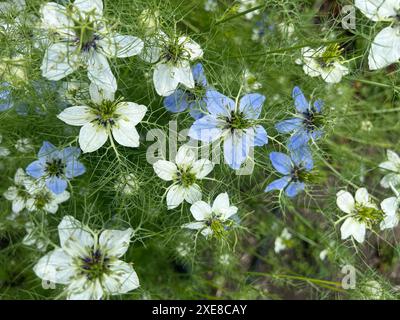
{"x": 212, "y": 220}
{"x": 210, "y": 5}
{"x": 172, "y": 57}
{"x": 362, "y": 214}
{"x": 105, "y": 118}
{"x": 24, "y": 145}
{"x": 18, "y": 193}
{"x": 87, "y": 262}
{"x": 385, "y": 48}
{"x": 32, "y": 238}
{"x": 325, "y": 62}
{"x": 83, "y": 40}
{"x": 392, "y": 165}
{"x": 390, "y": 208}
{"x": 282, "y": 241}
{"x": 184, "y": 173}
{"x": 4, "y": 152}
{"x": 41, "y": 198}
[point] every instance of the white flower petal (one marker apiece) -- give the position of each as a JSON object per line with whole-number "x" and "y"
{"x": 201, "y": 210}
{"x": 18, "y": 205}
{"x": 393, "y": 157}
{"x": 175, "y": 196}
{"x": 71, "y": 229}
{"x": 132, "y": 112}
{"x": 166, "y": 170}
{"x": 194, "y": 225}
{"x": 11, "y": 193}
{"x": 193, "y": 194}
{"x": 59, "y": 61}
{"x": 202, "y": 168}
{"x": 194, "y": 50}
{"x": 99, "y": 72}
{"x": 352, "y": 227}
{"x": 98, "y": 95}
{"x": 54, "y": 16}
{"x": 121, "y": 279}
{"x": 378, "y": 9}
{"x": 390, "y": 206}
{"x": 391, "y": 179}
{"x": 183, "y": 74}
{"x": 86, "y": 7}
{"x": 125, "y": 134}
{"x": 121, "y": 46}
{"x": 385, "y": 48}
{"x": 56, "y": 267}
{"x": 115, "y": 242}
{"x": 164, "y": 79}
{"x": 345, "y": 201}
{"x": 92, "y": 137}
{"x": 77, "y": 116}
{"x": 221, "y": 203}
{"x": 362, "y": 196}
{"x": 185, "y": 157}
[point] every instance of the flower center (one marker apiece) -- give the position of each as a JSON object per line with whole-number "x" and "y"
{"x": 237, "y": 121}
{"x": 331, "y": 54}
{"x": 42, "y": 198}
{"x": 95, "y": 265}
{"x": 312, "y": 120}
{"x": 85, "y": 31}
{"x": 105, "y": 113}
{"x": 55, "y": 167}
{"x": 187, "y": 178}
{"x": 218, "y": 228}
{"x": 368, "y": 215}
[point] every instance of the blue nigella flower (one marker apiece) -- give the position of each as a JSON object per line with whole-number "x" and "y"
{"x": 235, "y": 124}
{"x": 193, "y": 99}
{"x": 56, "y": 166}
{"x": 306, "y": 124}
{"x": 5, "y": 96}
{"x": 295, "y": 169}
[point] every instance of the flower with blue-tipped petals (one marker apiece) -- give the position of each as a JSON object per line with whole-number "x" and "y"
{"x": 295, "y": 169}
{"x": 307, "y": 123}
{"x": 192, "y": 99}
{"x": 236, "y": 124}
{"x": 56, "y": 167}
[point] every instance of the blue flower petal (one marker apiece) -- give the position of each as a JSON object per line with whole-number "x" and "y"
{"x": 56, "y": 184}
{"x": 47, "y": 150}
{"x": 317, "y": 134}
{"x": 197, "y": 109}
{"x": 218, "y": 104}
{"x": 278, "y": 184}
{"x": 206, "y": 129}
{"x": 300, "y": 101}
{"x": 70, "y": 153}
{"x": 302, "y": 157}
{"x": 281, "y": 162}
{"x": 294, "y": 188}
{"x": 251, "y": 105}
{"x": 5, "y": 97}
{"x": 236, "y": 149}
{"x": 261, "y": 136}
{"x": 36, "y": 169}
{"x": 298, "y": 140}
{"x": 74, "y": 168}
{"x": 198, "y": 75}
{"x": 289, "y": 125}
{"x": 318, "y": 105}
{"x": 176, "y": 102}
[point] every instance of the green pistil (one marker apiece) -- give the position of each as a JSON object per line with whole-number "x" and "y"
{"x": 368, "y": 215}
{"x": 238, "y": 121}
{"x": 105, "y": 112}
{"x": 332, "y": 54}
{"x": 173, "y": 52}
{"x": 55, "y": 167}
{"x": 217, "y": 227}
{"x": 95, "y": 265}
{"x": 42, "y": 199}
{"x": 187, "y": 178}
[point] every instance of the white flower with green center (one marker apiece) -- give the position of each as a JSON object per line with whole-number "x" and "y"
{"x": 41, "y": 198}
{"x": 83, "y": 39}
{"x": 281, "y": 242}
{"x": 18, "y": 193}
{"x": 212, "y": 220}
{"x": 24, "y": 145}
{"x": 385, "y": 48}
{"x": 362, "y": 214}
{"x": 392, "y": 166}
{"x": 172, "y": 57}
{"x": 324, "y": 62}
{"x": 87, "y": 263}
{"x": 184, "y": 173}
{"x": 105, "y": 118}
